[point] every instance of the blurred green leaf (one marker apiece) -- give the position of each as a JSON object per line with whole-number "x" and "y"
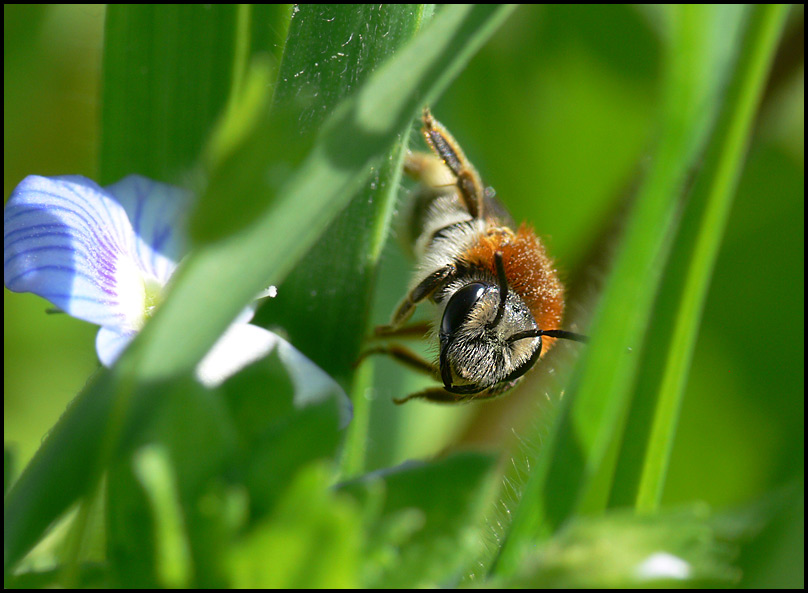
{"x": 154, "y": 489}
{"x": 311, "y": 540}
{"x": 210, "y": 456}
{"x": 21, "y": 24}
{"x": 269, "y": 26}
{"x": 324, "y": 65}
{"x": 428, "y": 519}
{"x": 252, "y": 441}
{"x": 89, "y": 576}
{"x": 65, "y": 467}
{"x": 276, "y": 430}
{"x": 775, "y": 557}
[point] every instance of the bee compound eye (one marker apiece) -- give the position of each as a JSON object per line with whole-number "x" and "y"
{"x": 460, "y": 305}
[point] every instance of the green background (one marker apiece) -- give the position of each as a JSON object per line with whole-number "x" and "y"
{"x": 557, "y": 112}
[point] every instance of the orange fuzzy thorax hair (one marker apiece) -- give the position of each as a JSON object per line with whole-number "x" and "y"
{"x": 530, "y": 272}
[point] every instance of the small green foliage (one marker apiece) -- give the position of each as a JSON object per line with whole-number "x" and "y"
{"x": 684, "y": 548}
{"x": 424, "y": 532}
{"x": 310, "y": 540}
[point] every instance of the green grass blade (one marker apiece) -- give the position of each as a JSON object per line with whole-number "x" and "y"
{"x": 324, "y": 303}
{"x": 335, "y": 278}
{"x": 574, "y": 471}
{"x": 167, "y": 74}
{"x": 675, "y": 324}
{"x": 153, "y": 469}
{"x": 350, "y": 141}
{"x": 64, "y": 468}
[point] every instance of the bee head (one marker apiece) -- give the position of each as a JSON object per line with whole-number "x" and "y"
{"x": 487, "y": 335}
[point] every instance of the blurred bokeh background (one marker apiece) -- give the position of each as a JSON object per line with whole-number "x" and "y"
{"x": 558, "y": 113}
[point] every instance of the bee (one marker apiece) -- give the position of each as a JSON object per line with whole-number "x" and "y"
{"x": 495, "y": 288}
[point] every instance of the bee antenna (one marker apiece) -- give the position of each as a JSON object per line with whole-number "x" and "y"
{"x": 565, "y": 335}
{"x": 502, "y": 281}
{"x": 550, "y": 333}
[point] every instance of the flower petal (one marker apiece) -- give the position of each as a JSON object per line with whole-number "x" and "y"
{"x": 311, "y": 382}
{"x": 110, "y": 344}
{"x": 242, "y": 344}
{"x": 242, "y": 348}
{"x": 157, "y": 212}
{"x": 68, "y": 241}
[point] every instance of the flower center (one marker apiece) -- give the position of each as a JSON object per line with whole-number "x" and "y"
{"x": 152, "y": 296}
{"x": 139, "y": 293}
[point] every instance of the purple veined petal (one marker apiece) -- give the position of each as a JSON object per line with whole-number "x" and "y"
{"x": 67, "y": 240}
{"x": 157, "y": 212}
{"x": 110, "y": 344}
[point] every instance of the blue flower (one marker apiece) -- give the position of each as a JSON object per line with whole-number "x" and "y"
{"x": 105, "y": 255}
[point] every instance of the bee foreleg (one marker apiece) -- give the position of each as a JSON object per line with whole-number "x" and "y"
{"x": 404, "y": 356}
{"x": 434, "y": 394}
{"x": 425, "y": 289}
{"x": 413, "y": 330}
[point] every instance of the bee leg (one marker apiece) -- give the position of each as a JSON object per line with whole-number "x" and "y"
{"x": 468, "y": 182}
{"x": 429, "y": 170}
{"x": 437, "y": 395}
{"x": 425, "y": 289}
{"x": 405, "y": 356}
{"x": 413, "y": 330}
